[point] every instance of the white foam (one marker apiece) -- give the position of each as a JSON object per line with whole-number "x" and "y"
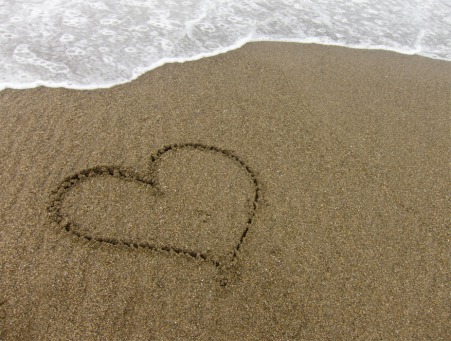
{"x": 84, "y": 44}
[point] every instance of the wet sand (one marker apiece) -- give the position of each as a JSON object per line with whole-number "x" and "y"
{"x": 276, "y": 192}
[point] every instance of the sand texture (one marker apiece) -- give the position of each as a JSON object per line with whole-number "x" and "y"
{"x": 276, "y": 192}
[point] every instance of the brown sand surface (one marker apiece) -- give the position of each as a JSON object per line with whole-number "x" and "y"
{"x": 315, "y": 198}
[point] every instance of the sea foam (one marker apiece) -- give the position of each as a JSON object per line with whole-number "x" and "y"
{"x": 83, "y": 44}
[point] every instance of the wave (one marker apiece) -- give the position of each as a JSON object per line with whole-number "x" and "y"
{"x": 83, "y": 44}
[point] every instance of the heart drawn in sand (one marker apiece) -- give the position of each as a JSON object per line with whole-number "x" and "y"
{"x": 195, "y": 200}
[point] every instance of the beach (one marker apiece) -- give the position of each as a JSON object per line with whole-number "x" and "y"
{"x": 280, "y": 191}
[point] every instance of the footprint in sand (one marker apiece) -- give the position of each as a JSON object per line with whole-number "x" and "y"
{"x": 195, "y": 200}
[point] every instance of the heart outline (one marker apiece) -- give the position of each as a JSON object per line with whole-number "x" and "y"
{"x": 57, "y": 197}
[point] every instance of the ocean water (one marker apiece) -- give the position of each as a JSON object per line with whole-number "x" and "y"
{"x": 86, "y": 44}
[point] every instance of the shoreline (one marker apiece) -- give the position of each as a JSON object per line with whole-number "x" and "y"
{"x": 200, "y": 56}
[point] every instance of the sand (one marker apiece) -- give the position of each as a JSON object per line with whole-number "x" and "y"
{"x": 276, "y": 192}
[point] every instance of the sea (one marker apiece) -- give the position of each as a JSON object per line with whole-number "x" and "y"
{"x": 88, "y": 44}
